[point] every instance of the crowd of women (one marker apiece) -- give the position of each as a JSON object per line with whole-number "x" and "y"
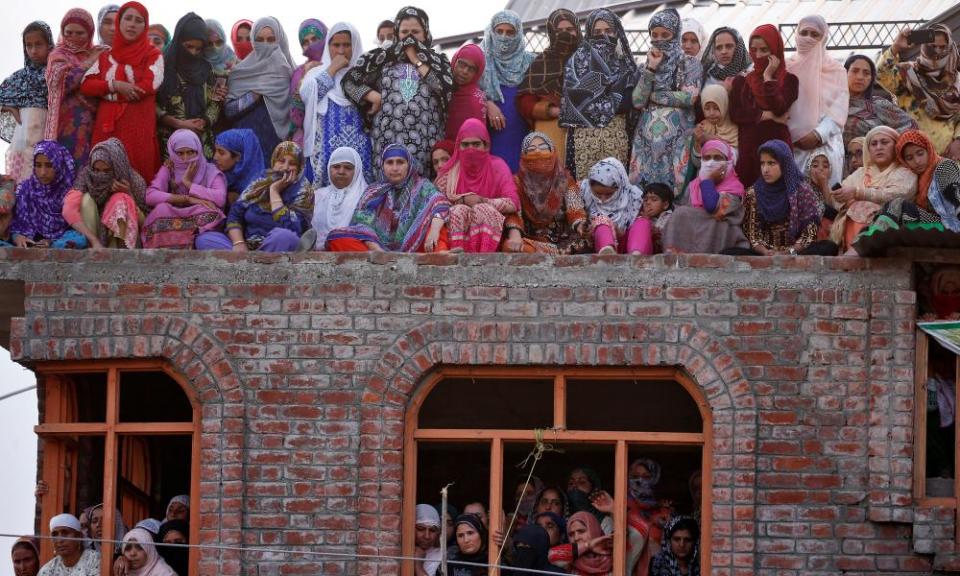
{"x": 712, "y": 144}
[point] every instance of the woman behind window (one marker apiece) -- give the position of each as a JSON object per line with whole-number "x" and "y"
{"x": 471, "y": 537}
{"x": 140, "y": 554}
{"x": 480, "y": 189}
{"x": 259, "y": 94}
{"x": 126, "y": 80}
{"x": 177, "y": 557}
{"x": 24, "y": 95}
{"x": 404, "y": 212}
{"x": 589, "y": 551}
{"x": 680, "y": 555}
{"x": 71, "y": 558}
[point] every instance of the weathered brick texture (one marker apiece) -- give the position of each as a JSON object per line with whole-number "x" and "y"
{"x": 305, "y": 365}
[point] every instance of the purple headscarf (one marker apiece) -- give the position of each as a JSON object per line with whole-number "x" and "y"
{"x": 314, "y": 50}
{"x": 790, "y": 197}
{"x": 188, "y": 139}
{"x": 39, "y": 211}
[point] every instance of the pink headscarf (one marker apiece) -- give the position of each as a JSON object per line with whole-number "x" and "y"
{"x": 477, "y": 171}
{"x": 730, "y": 183}
{"x": 155, "y": 565}
{"x": 823, "y": 81}
{"x": 66, "y": 55}
{"x": 590, "y": 562}
{"x": 188, "y": 139}
{"x": 468, "y": 101}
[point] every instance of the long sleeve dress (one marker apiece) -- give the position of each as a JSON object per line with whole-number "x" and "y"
{"x": 746, "y": 113}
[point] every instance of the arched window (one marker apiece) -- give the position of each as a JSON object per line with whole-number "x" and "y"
{"x": 124, "y": 433}
{"x": 472, "y": 426}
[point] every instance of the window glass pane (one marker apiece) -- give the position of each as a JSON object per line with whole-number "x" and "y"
{"x": 84, "y": 397}
{"x": 941, "y": 440}
{"x": 519, "y": 403}
{"x": 85, "y": 456}
{"x": 631, "y": 405}
{"x": 152, "y": 397}
{"x": 150, "y": 471}
{"x": 466, "y": 464}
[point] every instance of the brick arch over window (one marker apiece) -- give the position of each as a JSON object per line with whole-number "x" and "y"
{"x": 582, "y": 343}
{"x": 201, "y": 360}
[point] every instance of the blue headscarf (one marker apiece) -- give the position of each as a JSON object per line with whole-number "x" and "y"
{"x": 507, "y": 61}
{"x": 250, "y": 166}
{"x": 791, "y": 198}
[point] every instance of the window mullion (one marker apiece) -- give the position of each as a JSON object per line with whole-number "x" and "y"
{"x": 494, "y": 516}
{"x": 110, "y": 471}
{"x": 620, "y": 510}
{"x": 560, "y": 402}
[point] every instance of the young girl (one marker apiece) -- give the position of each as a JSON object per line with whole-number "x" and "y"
{"x": 716, "y": 121}
{"x": 24, "y": 95}
{"x": 613, "y": 204}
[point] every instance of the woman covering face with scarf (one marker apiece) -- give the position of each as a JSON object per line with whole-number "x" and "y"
{"x": 313, "y": 39}
{"x": 217, "y": 52}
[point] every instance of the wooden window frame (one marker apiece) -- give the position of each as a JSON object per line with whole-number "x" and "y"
{"x": 620, "y": 440}
{"x": 55, "y": 425}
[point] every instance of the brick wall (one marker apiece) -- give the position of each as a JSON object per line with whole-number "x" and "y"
{"x": 305, "y": 364}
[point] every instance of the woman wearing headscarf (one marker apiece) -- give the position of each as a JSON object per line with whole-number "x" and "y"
{"x": 38, "y": 215}
{"x": 598, "y": 85}
{"x": 613, "y": 206}
{"x": 8, "y": 199}
{"x": 189, "y": 98}
{"x": 404, "y": 90}
{"x": 716, "y": 123}
{"x": 238, "y": 155}
{"x": 177, "y": 557}
{"x": 759, "y": 101}
{"x": 272, "y": 213}
{"x": 854, "y": 156}
{"x": 471, "y": 537}
{"x": 334, "y": 205}
{"x": 126, "y": 80}
{"x": 928, "y": 88}
{"x": 724, "y": 58}
{"x": 218, "y": 53}
{"x": 404, "y": 212}
{"x": 107, "y": 20}
{"x": 140, "y": 554}
{"x": 541, "y": 90}
{"x": 96, "y": 517}
{"x": 710, "y": 222}
{"x": 937, "y": 204}
{"x": 552, "y": 218}
{"x": 531, "y": 545}
{"x": 589, "y": 551}
{"x": 241, "y": 36}
{"x": 691, "y": 37}
{"x": 187, "y": 197}
{"x": 507, "y": 62}
{"x": 647, "y": 515}
{"x": 71, "y": 559}
{"x": 26, "y": 556}
{"x": 442, "y": 152}
{"x": 313, "y": 40}
{"x": 259, "y": 94}
{"x": 868, "y": 106}
{"x": 331, "y": 120}
{"x": 680, "y": 555}
{"x": 666, "y": 90}
{"x": 817, "y": 116}
{"x": 24, "y": 95}
{"x": 469, "y": 100}
{"x": 108, "y": 200}
{"x": 480, "y": 189}
{"x": 782, "y": 210}
{"x": 70, "y": 114}
{"x": 159, "y": 36}
{"x": 881, "y": 179}
{"x": 178, "y": 508}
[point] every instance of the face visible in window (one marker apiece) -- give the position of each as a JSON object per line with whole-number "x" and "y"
{"x": 464, "y": 72}
{"x": 552, "y": 529}
{"x": 266, "y": 35}
{"x": 286, "y": 163}
{"x": 108, "y": 27}
{"x": 225, "y": 159}
{"x": 681, "y": 544}
{"x": 43, "y": 169}
{"x": 478, "y": 510}
{"x": 174, "y": 537}
{"x": 135, "y": 555}
{"x": 769, "y": 168}
{"x": 194, "y": 47}
{"x": 412, "y": 27}
{"x": 660, "y": 34}
{"x": 468, "y": 539}
{"x": 176, "y": 510}
{"x": 132, "y": 24}
{"x": 690, "y": 44}
{"x": 759, "y": 48}
{"x": 96, "y": 523}
{"x": 550, "y": 501}
{"x": 25, "y": 561}
{"x": 341, "y": 174}
{"x": 395, "y": 169}
{"x": 243, "y": 33}
{"x": 916, "y": 158}
{"x": 341, "y": 45}
{"x": 711, "y": 112}
{"x": 66, "y": 543}
{"x": 578, "y": 478}
{"x": 640, "y": 472}
{"x": 35, "y": 44}
{"x": 438, "y": 158}
{"x": 577, "y": 532}
{"x": 427, "y": 536}
{"x": 724, "y": 47}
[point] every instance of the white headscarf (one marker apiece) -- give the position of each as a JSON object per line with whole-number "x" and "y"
{"x": 267, "y": 71}
{"x": 823, "y": 82}
{"x": 334, "y": 207}
{"x": 693, "y": 25}
{"x": 180, "y": 499}
{"x": 315, "y": 106}
{"x": 65, "y": 521}
{"x": 623, "y": 205}
{"x": 427, "y": 515}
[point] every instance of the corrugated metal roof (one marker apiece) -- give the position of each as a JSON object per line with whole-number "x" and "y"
{"x": 539, "y": 10}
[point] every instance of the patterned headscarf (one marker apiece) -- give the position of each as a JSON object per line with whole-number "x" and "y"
{"x": 99, "y": 185}
{"x": 159, "y": 31}
{"x": 244, "y": 142}
{"x": 39, "y": 211}
{"x": 27, "y": 87}
{"x": 259, "y": 191}
{"x": 506, "y": 56}
{"x": 666, "y": 76}
{"x": 623, "y": 205}
{"x": 108, "y": 9}
{"x": 590, "y": 563}
{"x": 790, "y": 197}
{"x": 920, "y": 139}
{"x": 67, "y": 55}
{"x": 545, "y": 74}
{"x": 314, "y": 51}
{"x": 739, "y": 63}
{"x": 665, "y": 563}
{"x": 542, "y": 182}
{"x": 596, "y": 75}
{"x": 182, "y": 65}
{"x": 222, "y": 59}
{"x": 935, "y": 82}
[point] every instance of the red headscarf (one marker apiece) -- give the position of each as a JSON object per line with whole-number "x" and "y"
{"x": 477, "y": 171}
{"x": 920, "y": 139}
{"x": 590, "y": 562}
{"x": 769, "y": 34}
{"x": 468, "y": 101}
{"x": 242, "y": 49}
{"x": 138, "y": 53}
